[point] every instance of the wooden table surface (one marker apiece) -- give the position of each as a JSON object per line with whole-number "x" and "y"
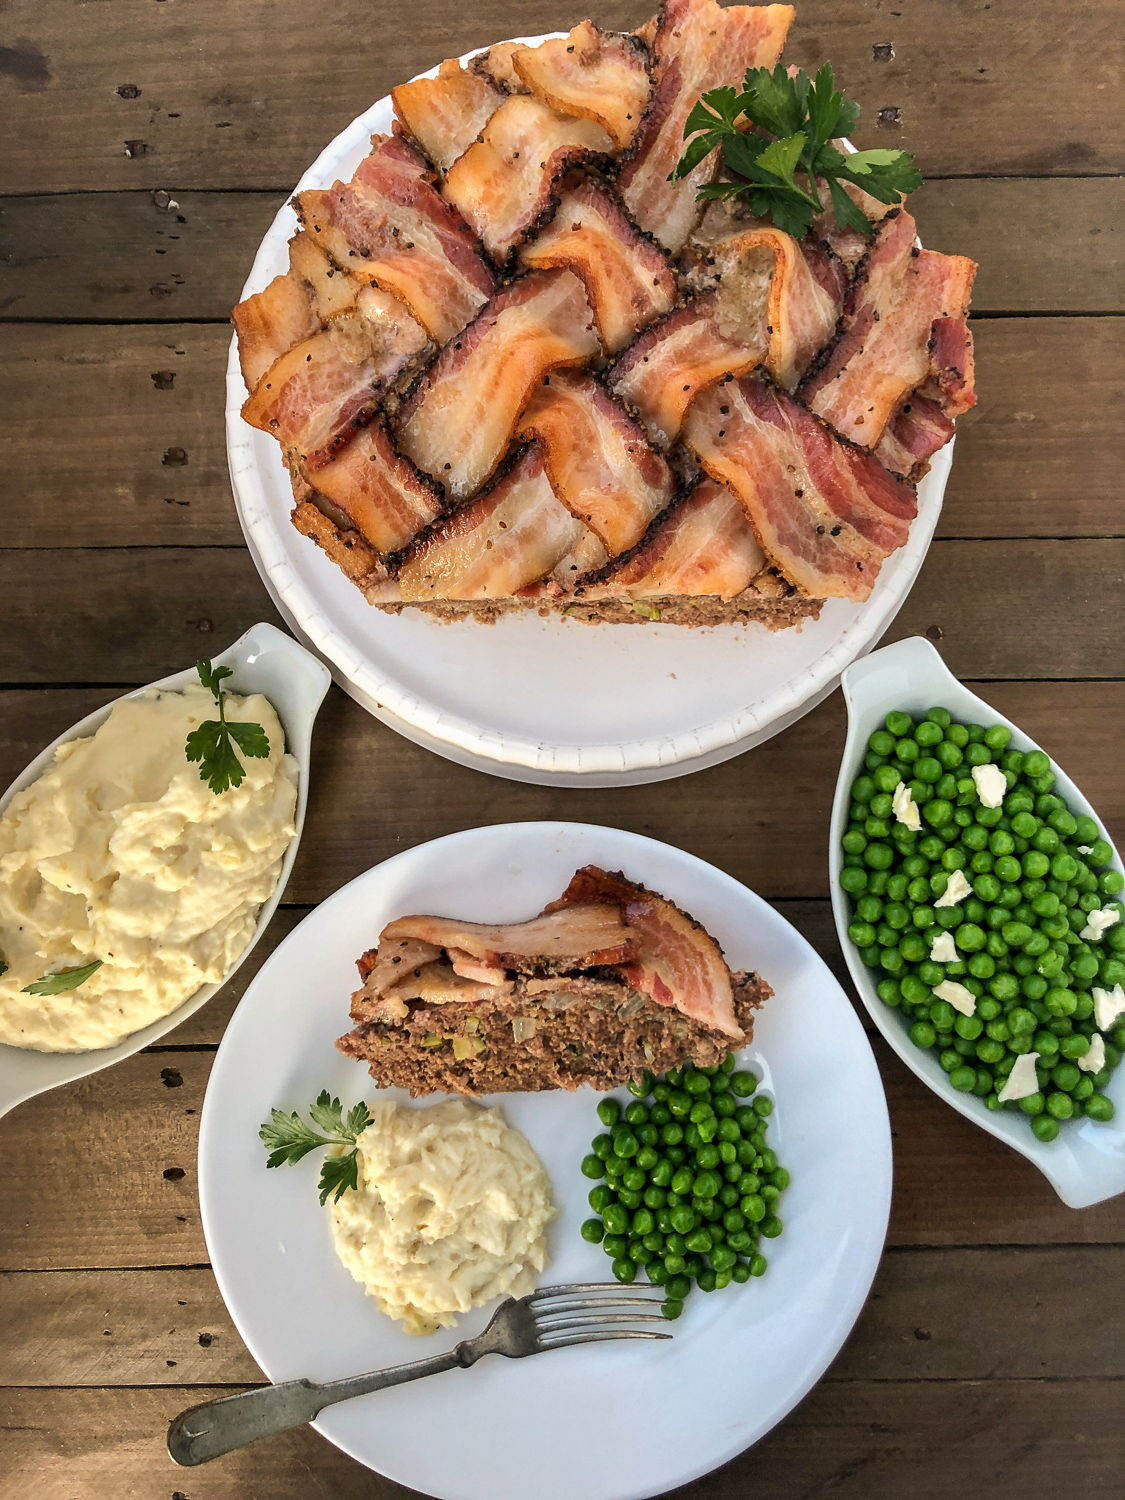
{"x": 147, "y": 145}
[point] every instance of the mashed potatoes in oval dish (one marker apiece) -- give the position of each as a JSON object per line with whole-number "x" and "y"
{"x": 119, "y": 852}
{"x": 449, "y": 1213}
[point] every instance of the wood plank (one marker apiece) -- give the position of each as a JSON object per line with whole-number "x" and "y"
{"x": 1043, "y": 245}
{"x": 141, "y": 456}
{"x": 135, "y": 613}
{"x": 106, "y": 1203}
{"x": 771, "y": 837}
{"x": 145, "y": 97}
{"x": 1036, "y": 457}
{"x": 932, "y": 1315}
{"x": 861, "y": 1440}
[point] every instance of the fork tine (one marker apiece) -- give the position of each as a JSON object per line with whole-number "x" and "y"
{"x": 581, "y": 1304}
{"x": 598, "y": 1338}
{"x": 544, "y": 1292}
{"x": 592, "y": 1320}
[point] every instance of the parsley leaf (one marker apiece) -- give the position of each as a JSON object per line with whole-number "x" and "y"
{"x": 288, "y": 1138}
{"x": 804, "y": 116}
{"x": 61, "y": 980}
{"x": 211, "y": 743}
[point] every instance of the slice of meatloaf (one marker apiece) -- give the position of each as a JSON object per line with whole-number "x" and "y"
{"x": 623, "y": 980}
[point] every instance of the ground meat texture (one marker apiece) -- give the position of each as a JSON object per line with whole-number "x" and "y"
{"x": 592, "y": 1030}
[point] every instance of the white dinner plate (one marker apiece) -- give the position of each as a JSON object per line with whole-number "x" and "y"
{"x": 607, "y": 1422}
{"x": 550, "y": 701}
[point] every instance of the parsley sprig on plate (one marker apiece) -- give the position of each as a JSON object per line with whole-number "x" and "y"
{"x": 288, "y": 1138}
{"x": 779, "y": 177}
{"x": 213, "y": 742}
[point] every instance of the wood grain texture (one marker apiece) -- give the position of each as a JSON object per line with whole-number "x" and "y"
{"x": 1043, "y": 245}
{"x": 761, "y": 817}
{"x": 1041, "y": 455}
{"x": 954, "y": 1185}
{"x": 138, "y": 613}
{"x": 251, "y": 97}
{"x": 1034, "y": 1314}
{"x": 851, "y": 1440}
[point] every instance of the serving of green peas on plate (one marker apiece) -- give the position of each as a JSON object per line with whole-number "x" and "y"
{"x": 687, "y": 1188}
{"x": 990, "y": 913}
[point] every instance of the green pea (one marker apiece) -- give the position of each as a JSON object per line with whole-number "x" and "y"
{"x": 600, "y": 1197}
{"x": 997, "y": 737}
{"x": 609, "y": 1111}
{"x": 1111, "y": 882}
{"x": 1033, "y": 1104}
{"x": 763, "y": 1106}
{"x": 593, "y": 1230}
{"x": 771, "y": 1225}
{"x": 1045, "y": 1127}
{"x": 743, "y": 1085}
{"x": 624, "y": 1269}
{"x": 641, "y": 1087}
{"x": 592, "y": 1166}
{"x": 1099, "y": 1107}
{"x": 1035, "y": 763}
{"x": 963, "y": 1079}
{"x": 969, "y": 1027}
{"x": 616, "y": 1219}
{"x": 922, "y": 1034}
{"x": 969, "y": 937}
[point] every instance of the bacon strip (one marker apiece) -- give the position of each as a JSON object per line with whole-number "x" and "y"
{"x": 883, "y": 350}
{"x": 705, "y": 546}
{"x": 913, "y": 435}
{"x": 600, "y": 75}
{"x": 806, "y": 295}
{"x": 290, "y": 309}
{"x": 699, "y": 46}
{"x": 380, "y": 492}
{"x": 390, "y": 225}
{"x": 722, "y": 333}
{"x": 503, "y": 182}
{"x": 446, "y": 114}
{"x": 315, "y": 397}
{"x": 628, "y": 280}
{"x": 579, "y": 937}
{"x": 679, "y": 964}
{"x": 826, "y": 512}
{"x": 508, "y": 538}
{"x": 498, "y": 64}
{"x": 597, "y": 459}
{"x": 458, "y": 423}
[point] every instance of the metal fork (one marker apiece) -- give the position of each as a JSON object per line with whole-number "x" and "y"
{"x": 554, "y": 1317}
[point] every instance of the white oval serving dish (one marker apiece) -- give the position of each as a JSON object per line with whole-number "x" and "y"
{"x": 264, "y": 660}
{"x": 547, "y": 701}
{"x": 1086, "y": 1162}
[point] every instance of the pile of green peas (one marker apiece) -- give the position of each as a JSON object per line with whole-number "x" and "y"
{"x": 1036, "y": 871}
{"x": 686, "y": 1185}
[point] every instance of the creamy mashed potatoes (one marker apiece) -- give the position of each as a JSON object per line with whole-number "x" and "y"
{"x": 121, "y": 853}
{"x": 450, "y": 1212}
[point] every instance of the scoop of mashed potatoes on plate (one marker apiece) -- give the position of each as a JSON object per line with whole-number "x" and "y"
{"x": 449, "y": 1213}
{"x": 120, "y": 853}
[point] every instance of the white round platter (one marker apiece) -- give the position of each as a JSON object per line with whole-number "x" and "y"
{"x": 550, "y": 701}
{"x": 606, "y": 1422}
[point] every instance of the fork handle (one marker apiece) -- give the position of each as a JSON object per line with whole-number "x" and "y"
{"x": 216, "y": 1427}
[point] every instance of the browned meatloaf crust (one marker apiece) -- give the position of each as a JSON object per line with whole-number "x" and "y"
{"x": 591, "y": 1029}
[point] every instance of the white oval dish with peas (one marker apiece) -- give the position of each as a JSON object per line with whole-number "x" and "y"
{"x": 978, "y": 903}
